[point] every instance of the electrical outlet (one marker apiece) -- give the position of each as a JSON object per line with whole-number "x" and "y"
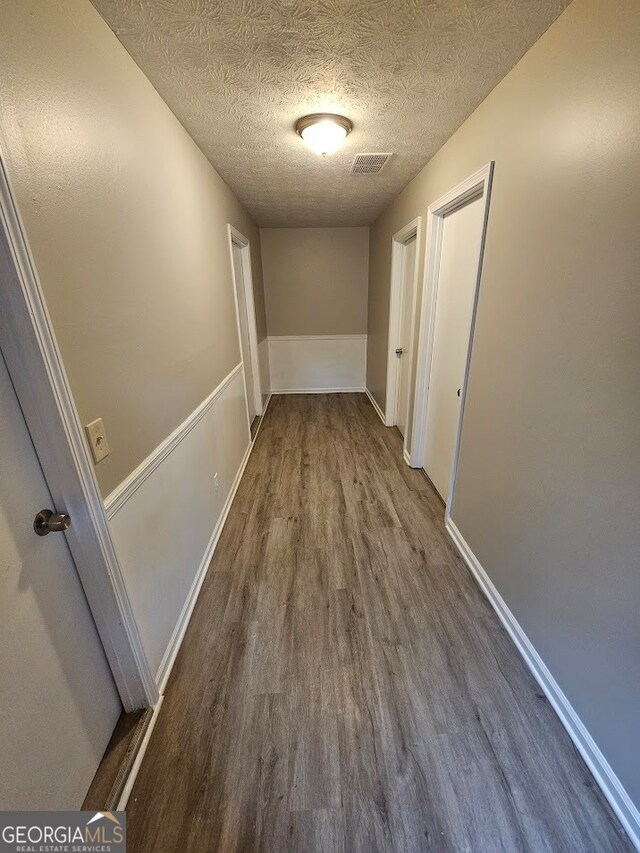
{"x": 216, "y": 482}
{"x": 97, "y": 440}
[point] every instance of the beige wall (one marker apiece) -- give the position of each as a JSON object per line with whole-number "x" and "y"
{"x": 315, "y": 280}
{"x": 127, "y": 223}
{"x": 548, "y": 481}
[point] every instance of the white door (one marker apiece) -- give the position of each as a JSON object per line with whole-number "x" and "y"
{"x": 457, "y": 279}
{"x": 245, "y": 346}
{"x": 406, "y": 322}
{"x": 58, "y": 701}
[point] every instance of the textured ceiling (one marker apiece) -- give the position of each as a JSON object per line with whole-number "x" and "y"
{"x": 238, "y": 73}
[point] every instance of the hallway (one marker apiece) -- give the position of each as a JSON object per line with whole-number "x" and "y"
{"x": 343, "y": 684}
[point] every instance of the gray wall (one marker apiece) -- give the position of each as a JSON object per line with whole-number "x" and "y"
{"x": 315, "y": 280}
{"x": 127, "y": 222}
{"x": 548, "y": 490}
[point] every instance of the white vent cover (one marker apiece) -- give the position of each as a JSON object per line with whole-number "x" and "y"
{"x": 369, "y": 164}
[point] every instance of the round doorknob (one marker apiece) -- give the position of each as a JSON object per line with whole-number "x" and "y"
{"x": 47, "y": 521}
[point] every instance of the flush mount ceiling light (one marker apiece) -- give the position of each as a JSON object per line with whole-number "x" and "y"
{"x": 324, "y": 133}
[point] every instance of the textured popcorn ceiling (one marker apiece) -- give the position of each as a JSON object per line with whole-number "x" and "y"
{"x": 238, "y": 73}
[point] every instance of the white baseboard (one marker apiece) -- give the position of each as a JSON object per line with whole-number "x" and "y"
{"x": 317, "y": 363}
{"x": 406, "y": 456}
{"x": 359, "y": 390}
{"x": 602, "y": 771}
{"x": 375, "y": 405}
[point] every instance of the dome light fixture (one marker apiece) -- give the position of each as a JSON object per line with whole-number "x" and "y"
{"x": 324, "y": 133}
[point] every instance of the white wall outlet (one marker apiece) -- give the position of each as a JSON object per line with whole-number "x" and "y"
{"x": 216, "y": 482}
{"x": 97, "y": 440}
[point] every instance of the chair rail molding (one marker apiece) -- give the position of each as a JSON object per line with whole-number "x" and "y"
{"x": 129, "y": 486}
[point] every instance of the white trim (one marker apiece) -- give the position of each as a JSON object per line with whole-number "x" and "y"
{"x": 398, "y": 242}
{"x": 137, "y": 764}
{"x": 35, "y": 365}
{"x": 602, "y": 771}
{"x": 359, "y": 390}
{"x": 375, "y": 405}
{"x": 480, "y": 181}
{"x": 317, "y": 337}
{"x": 128, "y": 487}
{"x": 238, "y": 239}
{"x": 406, "y": 456}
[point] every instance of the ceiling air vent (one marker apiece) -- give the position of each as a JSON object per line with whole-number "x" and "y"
{"x": 369, "y": 164}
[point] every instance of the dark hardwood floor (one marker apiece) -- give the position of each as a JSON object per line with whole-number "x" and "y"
{"x": 108, "y": 784}
{"x": 344, "y": 685}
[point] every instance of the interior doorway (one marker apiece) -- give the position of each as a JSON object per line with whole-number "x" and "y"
{"x": 247, "y": 328}
{"x": 456, "y": 227}
{"x": 404, "y": 288}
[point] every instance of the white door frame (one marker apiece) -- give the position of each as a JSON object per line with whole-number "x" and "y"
{"x": 479, "y": 182}
{"x": 35, "y": 365}
{"x": 239, "y": 240}
{"x": 398, "y": 241}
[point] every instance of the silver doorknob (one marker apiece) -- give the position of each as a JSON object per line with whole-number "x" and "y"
{"x": 399, "y": 351}
{"x": 47, "y": 521}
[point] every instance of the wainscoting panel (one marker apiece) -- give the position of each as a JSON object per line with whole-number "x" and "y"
{"x": 166, "y": 517}
{"x": 313, "y": 363}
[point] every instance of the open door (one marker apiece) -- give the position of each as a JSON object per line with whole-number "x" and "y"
{"x": 456, "y": 231}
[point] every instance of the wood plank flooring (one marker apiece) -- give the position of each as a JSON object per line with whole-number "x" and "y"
{"x": 106, "y": 788}
{"x": 343, "y": 684}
